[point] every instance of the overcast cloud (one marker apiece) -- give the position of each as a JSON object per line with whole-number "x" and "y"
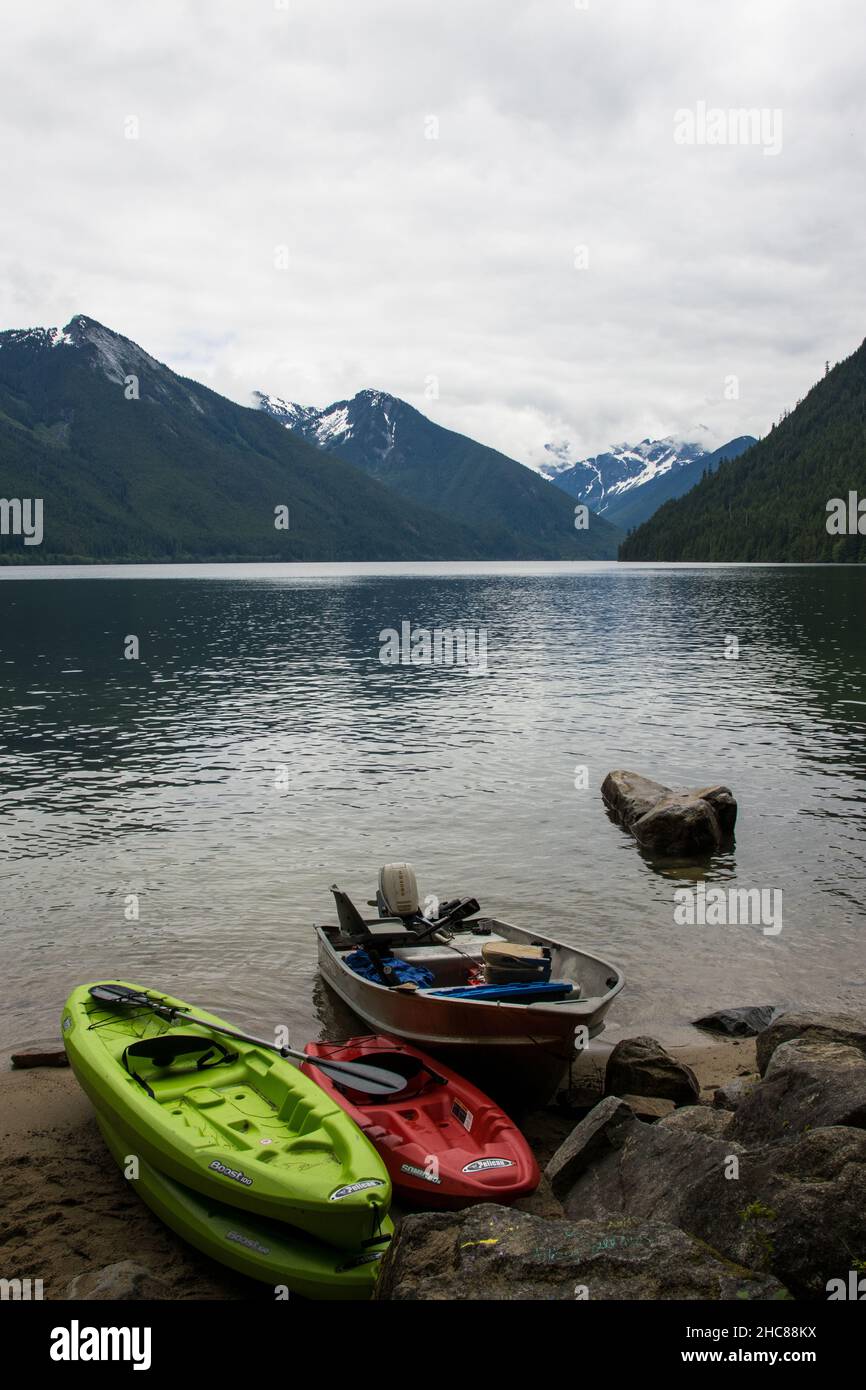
{"x": 410, "y": 258}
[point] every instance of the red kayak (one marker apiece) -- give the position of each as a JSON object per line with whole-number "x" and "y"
{"x": 443, "y": 1142}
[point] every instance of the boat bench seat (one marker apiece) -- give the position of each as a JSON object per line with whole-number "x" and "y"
{"x": 386, "y": 933}
{"x": 439, "y": 954}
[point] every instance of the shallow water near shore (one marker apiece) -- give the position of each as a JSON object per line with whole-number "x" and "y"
{"x": 258, "y": 750}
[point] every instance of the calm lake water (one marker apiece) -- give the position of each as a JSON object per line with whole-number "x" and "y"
{"x": 258, "y": 750}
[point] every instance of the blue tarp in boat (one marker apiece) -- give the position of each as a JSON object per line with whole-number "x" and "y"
{"x": 406, "y": 974}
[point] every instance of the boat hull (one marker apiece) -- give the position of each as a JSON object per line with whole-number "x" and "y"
{"x": 517, "y": 1053}
{"x": 268, "y": 1251}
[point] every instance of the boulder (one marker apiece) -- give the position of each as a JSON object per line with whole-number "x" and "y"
{"x": 541, "y": 1202}
{"x": 807, "y": 1085}
{"x": 795, "y": 1209}
{"x": 813, "y": 1026}
{"x": 602, "y": 1130}
{"x": 678, "y": 825}
{"x": 492, "y": 1253}
{"x": 648, "y": 1108}
{"x": 641, "y": 1067}
{"x": 724, "y": 804}
{"x": 122, "y": 1281}
{"x": 700, "y": 1119}
{"x": 630, "y": 796}
{"x": 670, "y": 821}
{"x": 731, "y": 1096}
{"x": 739, "y": 1023}
{"x": 648, "y": 1176}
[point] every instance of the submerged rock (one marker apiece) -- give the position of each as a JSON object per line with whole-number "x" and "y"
{"x": 491, "y": 1252}
{"x": 673, "y": 821}
{"x": 641, "y": 1067}
{"x": 724, "y": 804}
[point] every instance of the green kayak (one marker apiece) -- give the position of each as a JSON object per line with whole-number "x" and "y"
{"x": 261, "y": 1249}
{"x": 232, "y": 1120}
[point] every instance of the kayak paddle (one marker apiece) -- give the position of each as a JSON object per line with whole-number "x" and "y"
{"x": 374, "y": 1080}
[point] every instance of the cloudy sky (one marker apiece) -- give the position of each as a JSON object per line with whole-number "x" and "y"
{"x": 492, "y": 199}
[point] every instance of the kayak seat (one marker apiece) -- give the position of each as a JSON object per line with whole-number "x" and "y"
{"x": 165, "y": 1049}
{"x": 418, "y": 1077}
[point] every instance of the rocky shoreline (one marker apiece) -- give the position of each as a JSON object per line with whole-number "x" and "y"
{"x": 729, "y": 1171}
{"x": 756, "y": 1193}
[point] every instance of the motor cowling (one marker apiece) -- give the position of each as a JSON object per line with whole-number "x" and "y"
{"x": 398, "y": 890}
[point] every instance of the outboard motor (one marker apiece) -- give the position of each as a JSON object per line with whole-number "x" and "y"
{"x": 397, "y": 895}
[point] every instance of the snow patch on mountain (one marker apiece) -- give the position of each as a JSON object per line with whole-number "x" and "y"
{"x": 37, "y": 337}
{"x": 622, "y": 468}
{"x": 112, "y": 354}
{"x": 332, "y": 426}
{"x": 372, "y": 414}
{"x": 287, "y": 412}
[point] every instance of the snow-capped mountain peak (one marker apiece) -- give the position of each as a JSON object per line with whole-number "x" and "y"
{"x": 393, "y": 441}
{"x": 629, "y": 481}
{"x": 620, "y": 469}
{"x": 370, "y": 414}
{"x": 106, "y": 350}
{"x": 289, "y": 413}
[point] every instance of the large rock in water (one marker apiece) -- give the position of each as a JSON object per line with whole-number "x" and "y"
{"x": 812, "y": 1027}
{"x": 630, "y": 796}
{"x": 674, "y": 821}
{"x": 678, "y": 825}
{"x": 491, "y": 1252}
{"x": 641, "y": 1067}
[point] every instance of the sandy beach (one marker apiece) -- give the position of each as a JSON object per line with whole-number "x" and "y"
{"x": 68, "y": 1212}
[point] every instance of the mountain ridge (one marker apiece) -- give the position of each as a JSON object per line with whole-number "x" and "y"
{"x": 623, "y": 486}
{"x": 771, "y": 503}
{"x": 136, "y": 462}
{"x": 628, "y": 482}
{"x": 180, "y": 473}
{"x": 434, "y": 466}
